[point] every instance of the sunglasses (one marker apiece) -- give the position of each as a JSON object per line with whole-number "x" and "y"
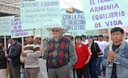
{"x": 55, "y": 30}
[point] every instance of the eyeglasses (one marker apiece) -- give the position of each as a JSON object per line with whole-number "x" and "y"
{"x": 55, "y": 30}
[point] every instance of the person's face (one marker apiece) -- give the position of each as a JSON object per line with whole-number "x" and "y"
{"x": 29, "y": 39}
{"x": 83, "y": 39}
{"x": 9, "y": 40}
{"x": 67, "y": 36}
{"x": 78, "y": 41}
{"x": 56, "y": 33}
{"x": 95, "y": 38}
{"x": 37, "y": 39}
{"x": 100, "y": 38}
{"x": 90, "y": 40}
{"x": 117, "y": 37}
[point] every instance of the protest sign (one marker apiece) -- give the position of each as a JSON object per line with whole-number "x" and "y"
{"x": 102, "y": 14}
{"x": 5, "y": 24}
{"x": 73, "y": 21}
{"x": 39, "y": 14}
{"x": 17, "y": 31}
{"x": 72, "y": 16}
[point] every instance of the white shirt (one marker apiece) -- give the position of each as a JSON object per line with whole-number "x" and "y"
{"x": 126, "y": 40}
{"x": 102, "y": 46}
{"x": 85, "y": 42}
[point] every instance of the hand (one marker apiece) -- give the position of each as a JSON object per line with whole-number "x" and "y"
{"x": 110, "y": 59}
{"x": 22, "y": 61}
{"x": 111, "y": 56}
{"x": 5, "y": 49}
{"x": 24, "y": 54}
{"x": 86, "y": 62}
{"x": 6, "y": 55}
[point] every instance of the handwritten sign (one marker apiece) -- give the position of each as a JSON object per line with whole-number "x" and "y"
{"x": 5, "y": 24}
{"x": 17, "y": 31}
{"x": 39, "y": 14}
{"x": 105, "y": 13}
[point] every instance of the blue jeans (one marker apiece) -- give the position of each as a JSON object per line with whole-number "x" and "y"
{"x": 23, "y": 73}
{"x": 103, "y": 67}
{"x": 92, "y": 68}
{"x": 99, "y": 63}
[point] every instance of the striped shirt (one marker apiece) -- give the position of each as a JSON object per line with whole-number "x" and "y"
{"x": 33, "y": 53}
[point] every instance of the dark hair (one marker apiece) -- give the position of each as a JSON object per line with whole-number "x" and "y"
{"x": 95, "y": 36}
{"x": 100, "y": 36}
{"x": 72, "y": 37}
{"x": 8, "y": 37}
{"x": 117, "y": 29}
{"x": 14, "y": 38}
{"x": 78, "y": 37}
{"x": 32, "y": 36}
{"x": 83, "y": 36}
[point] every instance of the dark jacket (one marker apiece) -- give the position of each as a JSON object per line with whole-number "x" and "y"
{"x": 3, "y": 60}
{"x": 16, "y": 50}
{"x": 94, "y": 49}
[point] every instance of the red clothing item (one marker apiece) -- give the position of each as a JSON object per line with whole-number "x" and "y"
{"x": 82, "y": 55}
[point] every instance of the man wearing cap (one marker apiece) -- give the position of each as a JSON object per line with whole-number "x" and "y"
{"x": 68, "y": 36}
{"x": 42, "y": 62}
{"x": 60, "y": 54}
{"x": 38, "y": 39}
{"x": 3, "y": 61}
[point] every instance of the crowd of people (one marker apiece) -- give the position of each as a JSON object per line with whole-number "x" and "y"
{"x": 65, "y": 56}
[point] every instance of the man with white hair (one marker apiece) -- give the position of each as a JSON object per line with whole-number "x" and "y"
{"x": 37, "y": 39}
{"x": 67, "y": 35}
{"x": 42, "y": 62}
{"x": 60, "y": 54}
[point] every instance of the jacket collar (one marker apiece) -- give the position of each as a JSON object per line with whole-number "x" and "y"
{"x": 122, "y": 46}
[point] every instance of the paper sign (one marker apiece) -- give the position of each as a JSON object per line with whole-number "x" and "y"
{"x": 102, "y": 14}
{"x": 5, "y": 24}
{"x": 73, "y": 21}
{"x": 40, "y": 14}
{"x": 17, "y": 31}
